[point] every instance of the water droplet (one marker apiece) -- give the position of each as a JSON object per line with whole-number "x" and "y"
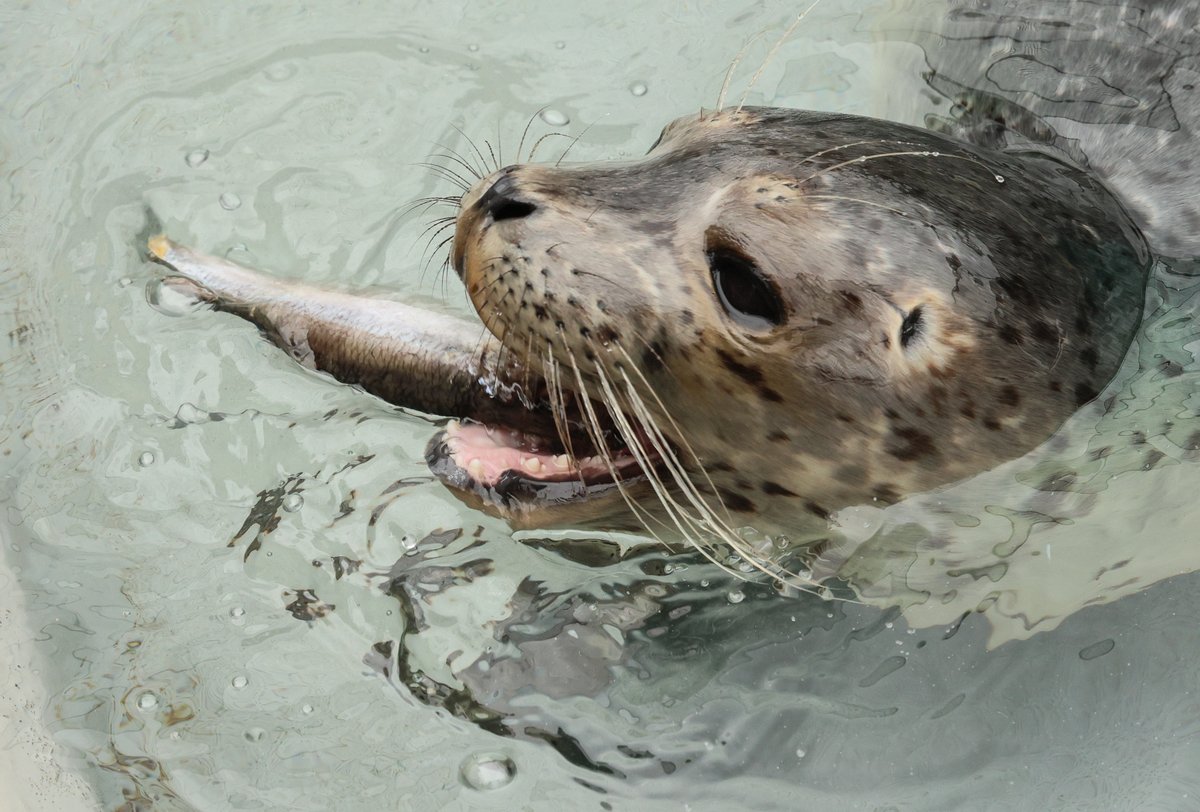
{"x": 170, "y": 298}
{"x": 240, "y": 682}
{"x": 736, "y": 596}
{"x": 124, "y": 281}
{"x": 306, "y": 709}
{"x": 555, "y": 118}
{"x": 196, "y": 157}
{"x": 147, "y": 701}
{"x": 293, "y": 502}
{"x": 473, "y": 47}
{"x": 704, "y": 582}
{"x": 638, "y": 88}
{"x": 146, "y": 459}
{"x": 229, "y": 201}
{"x": 487, "y": 771}
{"x": 801, "y": 753}
{"x": 255, "y": 734}
{"x": 999, "y": 179}
{"x": 560, "y": 45}
{"x": 424, "y": 49}
{"x": 237, "y": 612}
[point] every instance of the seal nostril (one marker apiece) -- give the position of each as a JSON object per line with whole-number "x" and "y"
{"x": 511, "y": 210}
{"x": 500, "y": 201}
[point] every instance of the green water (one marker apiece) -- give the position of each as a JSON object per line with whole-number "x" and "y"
{"x": 363, "y": 652}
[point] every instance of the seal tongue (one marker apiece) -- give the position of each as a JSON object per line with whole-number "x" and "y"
{"x": 487, "y": 453}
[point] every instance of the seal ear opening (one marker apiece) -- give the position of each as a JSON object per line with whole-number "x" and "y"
{"x": 743, "y": 291}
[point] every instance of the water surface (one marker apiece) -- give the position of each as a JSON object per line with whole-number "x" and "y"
{"x": 244, "y": 591}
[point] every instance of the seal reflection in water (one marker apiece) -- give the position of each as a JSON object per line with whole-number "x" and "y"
{"x": 772, "y": 315}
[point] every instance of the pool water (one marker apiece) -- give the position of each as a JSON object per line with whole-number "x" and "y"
{"x": 232, "y": 584}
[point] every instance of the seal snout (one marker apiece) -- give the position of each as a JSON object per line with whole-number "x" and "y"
{"x": 502, "y": 201}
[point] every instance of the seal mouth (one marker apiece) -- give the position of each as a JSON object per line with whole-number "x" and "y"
{"x": 524, "y": 466}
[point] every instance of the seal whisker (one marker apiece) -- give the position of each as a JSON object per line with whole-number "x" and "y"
{"x": 525, "y": 132}
{"x": 737, "y": 60}
{"x": 592, "y": 425}
{"x": 457, "y": 157}
{"x": 574, "y": 141}
{"x": 771, "y": 53}
{"x": 900, "y": 154}
{"x": 492, "y": 152}
{"x": 675, "y": 511}
{"x": 538, "y": 143}
{"x": 475, "y": 147}
{"x": 446, "y": 173}
{"x": 857, "y": 200}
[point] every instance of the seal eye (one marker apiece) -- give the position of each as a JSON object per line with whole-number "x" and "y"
{"x": 910, "y": 328}
{"x": 744, "y": 293}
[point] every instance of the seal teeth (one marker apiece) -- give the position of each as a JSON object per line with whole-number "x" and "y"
{"x": 562, "y": 462}
{"x": 475, "y": 468}
{"x": 532, "y": 464}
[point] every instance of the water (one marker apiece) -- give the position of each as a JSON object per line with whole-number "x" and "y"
{"x": 241, "y": 590}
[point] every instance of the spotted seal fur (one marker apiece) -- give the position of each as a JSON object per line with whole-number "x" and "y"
{"x": 772, "y": 315}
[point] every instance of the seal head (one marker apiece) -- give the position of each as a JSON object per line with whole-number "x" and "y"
{"x": 781, "y": 313}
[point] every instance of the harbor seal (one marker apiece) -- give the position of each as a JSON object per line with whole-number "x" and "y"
{"x": 772, "y": 315}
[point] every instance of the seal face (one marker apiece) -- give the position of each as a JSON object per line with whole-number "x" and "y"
{"x": 777, "y": 313}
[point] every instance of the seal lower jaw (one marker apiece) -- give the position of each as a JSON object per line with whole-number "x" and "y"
{"x": 525, "y": 478}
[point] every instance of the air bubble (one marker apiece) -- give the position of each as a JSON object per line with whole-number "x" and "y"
{"x": 560, "y": 45}
{"x": 999, "y": 179}
{"x": 638, "y": 88}
{"x": 306, "y": 709}
{"x": 196, "y": 157}
{"x": 801, "y": 753}
{"x": 293, "y": 502}
{"x": 237, "y": 612}
{"x": 147, "y": 701}
{"x": 146, "y": 459}
{"x": 555, "y": 118}
{"x": 240, "y": 682}
{"x": 736, "y": 596}
{"x": 487, "y": 771}
{"x": 255, "y": 734}
{"x": 124, "y": 281}
{"x": 473, "y": 47}
{"x": 229, "y": 201}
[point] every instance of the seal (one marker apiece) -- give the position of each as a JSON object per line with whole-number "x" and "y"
{"x": 772, "y": 315}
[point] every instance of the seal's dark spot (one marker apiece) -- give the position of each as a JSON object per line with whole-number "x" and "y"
{"x": 967, "y": 410}
{"x": 1010, "y": 334}
{"x": 687, "y": 316}
{"x": 850, "y": 474}
{"x": 1009, "y": 396}
{"x": 779, "y": 437}
{"x": 1055, "y": 386}
{"x": 886, "y": 493}
{"x": 1043, "y": 332}
{"x": 736, "y": 502}
{"x": 1089, "y": 357}
{"x": 1083, "y": 324}
{"x": 1193, "y": 442}
{"x": 953, "y": 261}
{"x": 910, "y": 444}
{"x": 1084, "y": 392}
{"x": 816, "y": 510}
{"x": 748, "y": 374}
{"x": 775, "y": 489}
{"x": 851, "y": 301}
{"x": 991, "y": 424}
{"x": 770, "y": 394}
{"x": 1170, "y": 369}
{"x": 721, "y": 466}
{"x": 608, "y": 335}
